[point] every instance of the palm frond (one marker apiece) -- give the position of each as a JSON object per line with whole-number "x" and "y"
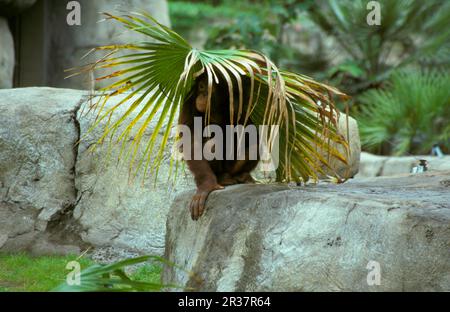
{"x": 158, "y": 75}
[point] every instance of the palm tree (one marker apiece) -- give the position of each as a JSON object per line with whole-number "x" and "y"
{"x": 159, "y": 74}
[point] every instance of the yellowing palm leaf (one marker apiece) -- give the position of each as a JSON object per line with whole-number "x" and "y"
{"x": 158, "y": 76}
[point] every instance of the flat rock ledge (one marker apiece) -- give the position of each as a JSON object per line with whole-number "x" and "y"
{"x": 372, "y": 234}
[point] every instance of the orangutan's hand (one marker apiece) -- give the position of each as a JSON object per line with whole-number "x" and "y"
{"x": 198, "y": 202}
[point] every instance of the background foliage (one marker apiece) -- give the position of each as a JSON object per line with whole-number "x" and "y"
{"x": 409, "y": 116}
{"x": 410, "y": 31}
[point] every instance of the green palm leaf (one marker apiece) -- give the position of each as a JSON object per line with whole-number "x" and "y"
{"x": 158, "y": 75}
{"x": 112, "y": 278}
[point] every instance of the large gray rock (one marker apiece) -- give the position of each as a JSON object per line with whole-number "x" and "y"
{"x": 316, "y": 238}
{"x": 375, "y": 166}
{"x": 37, "y": 134}
{"x": 54, "y": 191}
{"x": 6, "y": 55}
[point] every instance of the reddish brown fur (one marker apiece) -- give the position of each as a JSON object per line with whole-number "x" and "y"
{"x": 213, "y": 175}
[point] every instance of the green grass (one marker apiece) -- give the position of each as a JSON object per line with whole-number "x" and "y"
{"x": 147, "y": 273}
{"x": 24, "y": 273}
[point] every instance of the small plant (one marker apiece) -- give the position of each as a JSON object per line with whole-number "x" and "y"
{"x": 409, "y": 31}
{"x": 410, "y": 115}
{"x": 112, "y": 278}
